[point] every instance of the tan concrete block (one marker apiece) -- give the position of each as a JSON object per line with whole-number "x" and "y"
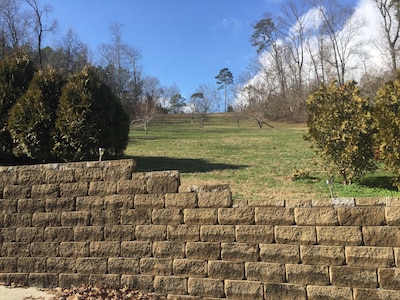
{"x": 104, "y": 249}
{"x": 118, "y": 202}
{"x": 183, "y": 233}
{"x": 143, "y": 283}
{"x": 136, "y": 249}
{"x": 14, "y": 278}
{"x": 266, "y": 202}
{"x": 218, "y": 269}
{"x": 15, "y": 220}
{"x": 217, "y": 233}
{"x": 236, "y": 216}
{"x": 136, "y": 217}
{"x": 203, "y": 251}
{"x": 168, "y": 216}
{"x": 151, "y": 232}
{"x": 60, "y": 176}
{"x": 61, "y": 265}
{"x": 91, "y": 265}
{"x": 30, "y": 177}
{"x": 131, "y": 187}
{"x": 74, "y": 189}
{"x": 361, "y": 216}
{"x": 190, "y": 268}
{"x": 244, "y": 290}
{"x": 148, "y": 201}
{"x": 118, "y": 171}
{"x": 45, "y": 190}
{"x": 392, "y": 201}
{"x": 105, "y": 217}
{"x": 10, "y": 206}
{"x": 120, "y": 265}
{"x": 181, "y": 200}
{"x": 339, "y": 235}
{"x": 381, "y": 236}
{"x": 28, "y": 205}
{"x": 88, "y": 233}
{"x": 329, "y": 292}
{"x": 280, "y": 253}
{"x": 15, "y": 249}
{"x": 307, "y": 274}
{"x": 163, "y": 182}
{"x": 170, "y": 285}
{"x": 7, "y": 235}
{"x": 214, "y": 199}
{"x": 93, "y": 174}
{"x": 303, "y": 235}
{"x": 89, "y": 203}
{"x": 66, "y": 281}
{"x": 29, "y": 234}
{"x": 201, "y": 216}
{"x": 206, "y": 287}
{"x": 364, "y": 256}
{"x": 313, "y": 216}
{"x": 265, "y": 272}
{"x": 75, "y": 218}
{"x": 240, "y": 252}
{"x": 322, "y": 255}
{"x": 45, "y": 280}
{"x": 60, "y": 204}
{"x": 46, "y": 219}
{"x": 74, "y": 249}
{"x": 105, "y": 280}
{"x": 389, "y": 279}
{"x": 354, "y": 276}
{"x": 284, "y": 291}
{"x": 293, "y": 203}
{"x": 119, "y": 233}
{"x": 8, "y": 264}
{"x": 44, "y": 249}
{"x": 375, "y": 294}
{"x": 255, "y": 234}
{"x": 392, "y": 215}
{"x": 31, "y": 264}
{"x": 16, "y": 192}
{"x": 101, "y": 188}
{"x": 168, "y": 249}
{"x": 274, "y": 216}
{"x": 156, "y": 266}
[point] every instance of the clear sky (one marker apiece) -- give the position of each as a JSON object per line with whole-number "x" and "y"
{"x": 183, "y": 42}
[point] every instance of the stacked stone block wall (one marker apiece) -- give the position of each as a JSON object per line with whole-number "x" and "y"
{"x": 101, "y": 223}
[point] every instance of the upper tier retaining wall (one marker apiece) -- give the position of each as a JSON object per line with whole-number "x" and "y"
{"x": 101, "y": 223}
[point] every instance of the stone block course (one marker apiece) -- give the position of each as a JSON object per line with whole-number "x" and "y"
{"x": 307, "y": 274}
{"x": 365, "y": 277}
{"x": 278, "y": 253}
{"x": 361, "y": 216}
{"x": 183, "y": 233}
{"x": 243, "y": 290}
{"x": 303, "y": 235}
{"x": 322, "y": 255}
{"x": 314, "y": 216}
{"x": 274, "y": 216}
{"x": 255, "y": 234}
{"x": 190, "y": 267}
{"x": 284, "y": 291}
{"x": 236, "y": 216}
{"x": 15, "y": 220}
{"x": 206, "y": 287}
{"x": 367, "y": 256}
{"x": 225, "y": 270}
{"x": 240, "y": 252}
{"x": 201, "y": 216}
{"x": 221, "y": 233}
{"x": 329, "y": 292}
{"x": 339, "y": 235}
{"x": 136, "y": 249}
{"x": 214, "y": 199}
{"x": 381, "y": 236}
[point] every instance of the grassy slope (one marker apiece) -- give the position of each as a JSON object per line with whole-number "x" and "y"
{"x": 257, "y": 163}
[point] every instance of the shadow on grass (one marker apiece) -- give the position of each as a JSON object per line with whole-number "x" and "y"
{"x": 381, "y": 182}
{"x": 183, "y": 165}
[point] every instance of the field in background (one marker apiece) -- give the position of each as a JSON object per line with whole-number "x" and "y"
{"x": 256, "y": 163}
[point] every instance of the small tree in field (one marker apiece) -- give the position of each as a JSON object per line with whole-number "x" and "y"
{"x": 340, "y": 128}
{"x": 387, "y": 120}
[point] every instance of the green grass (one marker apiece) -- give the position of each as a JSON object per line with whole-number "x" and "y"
{"x": 256, "y": 163}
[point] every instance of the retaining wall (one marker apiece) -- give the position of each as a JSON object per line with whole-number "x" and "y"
{"x": 101, "y": 223}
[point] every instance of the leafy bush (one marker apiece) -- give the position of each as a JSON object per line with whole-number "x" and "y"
{"x": 387, "y": 120}
{"x": 32, "y": 118}
{"x": 89, "y": 116}
{"x": 340, "y": 128}
{"x": 15, "y": 75}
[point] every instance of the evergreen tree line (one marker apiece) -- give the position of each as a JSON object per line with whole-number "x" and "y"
{"x": 47, "y": 115}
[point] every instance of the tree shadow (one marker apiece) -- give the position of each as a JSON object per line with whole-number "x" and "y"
{"x": 183, "y": 165}
{"x": 381, "y": 182}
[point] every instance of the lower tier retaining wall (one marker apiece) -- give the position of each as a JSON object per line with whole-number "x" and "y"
{"x": 100, "y": 223}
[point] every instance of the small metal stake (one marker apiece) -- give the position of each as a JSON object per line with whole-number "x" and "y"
{"x": 329, "y": 183}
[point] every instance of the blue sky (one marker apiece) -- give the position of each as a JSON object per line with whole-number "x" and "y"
{"x": 183, "y": 42}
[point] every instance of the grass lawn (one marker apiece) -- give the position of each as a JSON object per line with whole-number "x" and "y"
{"x": 256, "y": 163}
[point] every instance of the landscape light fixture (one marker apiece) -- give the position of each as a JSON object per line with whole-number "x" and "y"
{"x": 329, "y": 182}
{"x": 101, "y": 152}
